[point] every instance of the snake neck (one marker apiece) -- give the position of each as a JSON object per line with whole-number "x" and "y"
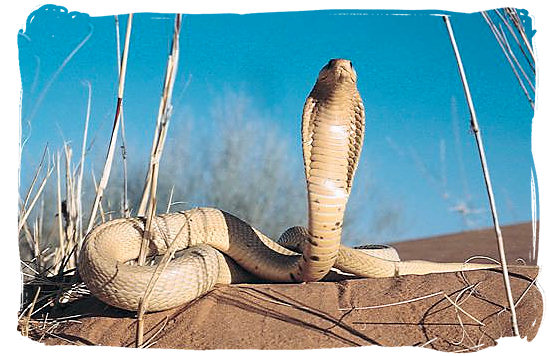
{"x": 330, "y": 95}
{"x": 332, "y": 135}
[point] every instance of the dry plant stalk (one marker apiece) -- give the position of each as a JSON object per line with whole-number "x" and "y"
{"x": 101, "y": 210}
{"x": 148, "y": 200}
{"x": 517, "y": 23}
{"x": 150, "y": 342}
{"x": 112, "y": 144}
{"x": 150, "y": 189}
{"x": 34, "y": 179}
{"x": 510, "y": 29}
{"x": 161, "y": 267}
{"x": 26, "y": 209}
{"x": 505, "y": 19}
{"x": 509, "y": 54}
{"x": 163, "y": 118}
{"x": 81, "y": 171}
{"x": 457, "y": 307}
{"x": 52, "y": 262}
{"x": 393, "y": 304}
{"x": 516, "y": 61}
{"x": 475, "y": 127}
{"x": 70, "y": 212}
{"x": 125, "y": 208}
{"x": 25, "y": 329}
{"x": 61, "y": 231}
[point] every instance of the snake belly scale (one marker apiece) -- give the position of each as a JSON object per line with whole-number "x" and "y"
{"x": 211, "y": 242}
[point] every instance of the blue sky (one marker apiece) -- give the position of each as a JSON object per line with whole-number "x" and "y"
{"x": 407, "y": 77}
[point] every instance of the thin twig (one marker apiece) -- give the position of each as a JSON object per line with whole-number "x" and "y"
{"x": 428, "y": 342}
{"x": 27, "y": 211}
{"x": 34, "y": 179}
{"x": 54, "y": 76}
{"x": 515, "y": 19}
{"x": 70, "y": 213}
{"x": 110, "y": 153}
{"x": 515, "y": 59}
{"x": 161, "y": 267}
{"x": 170, "y": 200}
{"x": 393, "y": 304}
{"x": 150, "y": 341}
{"x": 501, "y": 43}
{"x": 163, "y": 119}
{"x": 506, "y": 22}
{"x": 81, "y": 173}
{"x": 28, "y": 319}
{"x": 462, "y": 310}
{"x": 101, "y": 210}
{"x": 526, "y": 290}
{"x": 479, "y": 141}
{"x": 165, "y": 111}
{"x": 61, "y": 232}
{"x": 125, "y": 208}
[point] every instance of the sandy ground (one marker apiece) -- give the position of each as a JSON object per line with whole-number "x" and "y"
{"x": 339, "y": 313}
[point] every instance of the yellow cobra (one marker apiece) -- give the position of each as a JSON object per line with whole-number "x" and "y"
{"x": 212, "y": 242}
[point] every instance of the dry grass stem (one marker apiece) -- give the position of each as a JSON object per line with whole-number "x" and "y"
{"x": 503, "y": 43}
{"x": 125, "y": 207}
{"x": 471, "y": 289}
{"x": 486, "y": 175}
{"x": 54, "y": 76}
{"x": 169, "y": 204}
{"x": 150, "y": 190}
{"x": 61, "y": 231}
{"x": 464, "y": 333}
{"x": 150, "y": 341}
{"x": 70, "y": 212}
{"x": 34, "y": 178}
{"x": 482, "y": 258}
{"x": 81, "y": 171}
{"x": 528, "y": 59}
{"x": 517, "y": 23}
{"x": 270, "y": 300}
{"x": 161, "y": 129}
{"x": 26, "y": 211}
{"x": 25, "y": 330}
{"x": 462, "y": 310}
{"x": 525, "y": 291}
{"x": 161, "y": 267}
{"x": 112, "y": 144}
{"x": 506, "y": 22}
{"x": 393, "y": 304}
{"x": 428, "y": 342}
{"x": 101, "y": 209}
{"x": 513, "y": 56}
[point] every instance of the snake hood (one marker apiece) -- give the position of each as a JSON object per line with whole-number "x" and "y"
{"x": 333, "y": 124}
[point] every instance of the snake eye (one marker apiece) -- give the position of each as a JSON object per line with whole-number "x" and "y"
{"x": 330, "y": 63}
{"x": 350, "y": 64}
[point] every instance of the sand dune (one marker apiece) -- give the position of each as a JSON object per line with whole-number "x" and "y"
{"x": 342, "y": 312}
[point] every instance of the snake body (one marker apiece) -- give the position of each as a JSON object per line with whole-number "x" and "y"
{"x": 212, "y": 242}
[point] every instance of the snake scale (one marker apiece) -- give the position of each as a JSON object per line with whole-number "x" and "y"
{"x": 212, "y": 242}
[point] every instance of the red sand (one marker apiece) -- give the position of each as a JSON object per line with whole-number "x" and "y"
{"x": 332, "y": 314}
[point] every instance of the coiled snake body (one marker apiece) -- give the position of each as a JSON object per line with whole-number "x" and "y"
{"x": 333, "y": 124}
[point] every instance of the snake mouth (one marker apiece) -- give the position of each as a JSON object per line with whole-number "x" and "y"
{"x": 344, "y": 75}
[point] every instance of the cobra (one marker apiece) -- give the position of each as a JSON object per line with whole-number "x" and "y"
{"x": 215, "y": 246}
